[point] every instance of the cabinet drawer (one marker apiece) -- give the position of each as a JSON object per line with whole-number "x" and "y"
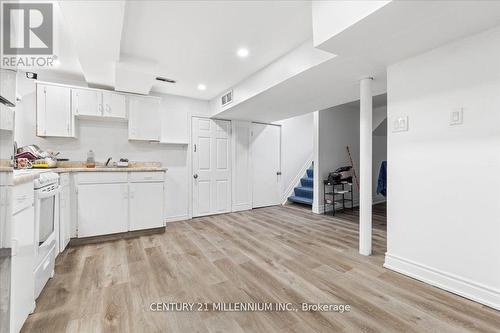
{"x": 153, "y": 176}
{"x": 44, "y": 271}
{"x": 23, "y": 196}
{"x": 96, "y": 177}
{"x": 64, "y": 179}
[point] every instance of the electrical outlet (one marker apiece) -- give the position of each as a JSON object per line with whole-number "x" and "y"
{"x": 400, "y": 124}
{"x": 457, "y": 117}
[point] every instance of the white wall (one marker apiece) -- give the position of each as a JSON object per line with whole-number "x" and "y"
{"x": 242, "y": 166}
{"x": 296, "y": 149}
{"x": 338, "y": 127}
{"x": 110, "y": 139}
{"x": 444, "y": 181}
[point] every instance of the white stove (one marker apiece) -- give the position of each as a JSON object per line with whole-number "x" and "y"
{"x": 46, "y": 179}
{"x": 47, "y": 190}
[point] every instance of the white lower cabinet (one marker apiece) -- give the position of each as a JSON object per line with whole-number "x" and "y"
{"x": 113, "y": 202}
{"x": 102, "y": 209}
{"x": 146, "y": 205}
{"x": 22, "y": 301}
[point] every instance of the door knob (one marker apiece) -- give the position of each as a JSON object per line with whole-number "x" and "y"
{"x": 195, "y": 176}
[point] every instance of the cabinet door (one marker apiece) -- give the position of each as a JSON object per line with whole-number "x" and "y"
{"x": 86, "y": 102}
{"x": 6, "y": 118}
{"x": 54, "y": 116}
{"x": 114, "y": 105}
{"x": 8, "y": 80}
{"x": 23, "y": 260}
{"x": 146, "y": 205}
{"x": 144, "y": 121}
{"x": 102, "y": 209}
{"x": 64, "y": 216}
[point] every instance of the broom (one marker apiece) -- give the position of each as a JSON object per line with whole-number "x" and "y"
{"x": 352, "y": 165}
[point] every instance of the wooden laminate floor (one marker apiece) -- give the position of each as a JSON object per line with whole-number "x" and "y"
{"x": 379, "y": 215}
{"x": 276, "y": 254}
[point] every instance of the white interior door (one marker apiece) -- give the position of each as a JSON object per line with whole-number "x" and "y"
{"x": 266, "y": 165}
{"x": 211, "y": 166}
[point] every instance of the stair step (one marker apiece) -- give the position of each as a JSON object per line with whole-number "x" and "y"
{"x": 302, "y": 200}
{"x": 304, "y": 192}
{"x": 307, "y": 182}
{"x": 310, "y": 173}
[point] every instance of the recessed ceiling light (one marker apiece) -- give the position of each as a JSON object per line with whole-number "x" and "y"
{"x": 242, "y": 53}
{"x": 202, "y": 87}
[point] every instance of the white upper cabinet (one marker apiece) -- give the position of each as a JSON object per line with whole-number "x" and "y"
{"x": 86, "y": 102}
{"x": 8, "y": 85}
{"x": 114, "y": 105}
{"x": 144, "y": 118}
{"x": 54, "y": 117}
{"x": 96, "y": 103}
{"x": 59, "y": 105}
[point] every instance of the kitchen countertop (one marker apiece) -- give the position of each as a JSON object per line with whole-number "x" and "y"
{"x": 27, "y": 175}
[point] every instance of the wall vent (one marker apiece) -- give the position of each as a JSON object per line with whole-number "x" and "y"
{"x": 164, "y": 79}
{"x": 227, "y": 98}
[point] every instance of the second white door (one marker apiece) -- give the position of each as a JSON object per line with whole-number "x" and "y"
{"x": 211, "y": 166}
{"x": 266, "y": 165}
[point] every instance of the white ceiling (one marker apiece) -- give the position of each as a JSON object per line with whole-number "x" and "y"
{"x": 196, "y": 42}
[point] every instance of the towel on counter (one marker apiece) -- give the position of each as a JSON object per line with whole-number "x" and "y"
{"x": 382, "y": 179}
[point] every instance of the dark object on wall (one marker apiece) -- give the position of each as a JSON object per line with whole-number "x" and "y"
{"x": 31, "y": 75}
{"x": 382, "y": 179}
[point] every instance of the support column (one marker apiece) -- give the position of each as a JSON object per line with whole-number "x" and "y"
{"x": 365, "y": 172}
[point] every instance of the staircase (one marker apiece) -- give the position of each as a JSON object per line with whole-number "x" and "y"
{"x": 304, "y": 193}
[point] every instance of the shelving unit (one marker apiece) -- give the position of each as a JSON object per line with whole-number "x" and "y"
{"x": 343, "y": 189}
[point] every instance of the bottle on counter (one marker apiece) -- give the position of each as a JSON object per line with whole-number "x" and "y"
{"x": 90, "y": 159}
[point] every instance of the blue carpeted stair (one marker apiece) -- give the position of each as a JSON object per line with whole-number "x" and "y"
{"x": 304, "y": 193}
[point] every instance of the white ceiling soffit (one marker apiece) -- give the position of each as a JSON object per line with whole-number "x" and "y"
{"x": 96, "y": 28}
{"x": 395, "y": 31}
{"x": 195, "y": 42}
{"x": 402, "y": 29}
{"x": 332, "y": 17}
{"x": 332, "y": 82}
{"x": 135, "y": 75}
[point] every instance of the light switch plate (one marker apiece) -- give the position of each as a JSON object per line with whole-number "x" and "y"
{"x": 400, "y": 124}
{"x": 457, "y": 116}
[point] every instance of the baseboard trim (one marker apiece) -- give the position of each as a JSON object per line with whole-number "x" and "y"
{"x": 177, "y": 218}
{"x": 449, "y": 282}
{"x": 113, "y": 237}
{"x": 241, "y": 207}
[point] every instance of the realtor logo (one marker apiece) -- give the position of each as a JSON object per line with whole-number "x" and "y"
{"x": 27, "y": 29}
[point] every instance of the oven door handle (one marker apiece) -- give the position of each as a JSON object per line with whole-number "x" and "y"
{"x": 43, "y": 195}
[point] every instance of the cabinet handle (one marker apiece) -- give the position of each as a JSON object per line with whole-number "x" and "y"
{"x": 22, "y": 198}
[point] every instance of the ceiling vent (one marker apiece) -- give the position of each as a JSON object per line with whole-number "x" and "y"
{"x": 227, "y": 98}
{"x": 164, "y": 79}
